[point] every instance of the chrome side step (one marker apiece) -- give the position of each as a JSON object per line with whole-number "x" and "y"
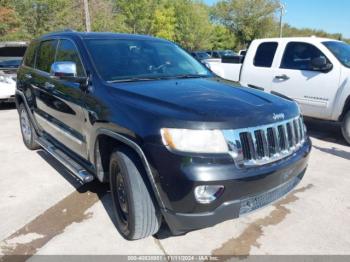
{"x": 77, "y": 170}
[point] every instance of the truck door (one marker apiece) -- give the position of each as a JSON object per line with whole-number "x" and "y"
{"x": 58, "y": 102}
{"x": 313, "y": 89}
{"x": 257, "y": 67}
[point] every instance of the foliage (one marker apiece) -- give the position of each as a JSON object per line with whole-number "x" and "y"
{"x": 247, "y": 19}
{"x": 137, "y": 15}
{"x": 164, "y": 22}
{"x": 230, "y": 24}
{"x": 193, "y": 28}
{"x": 222, "y": 38}
{"x": 9, "y": 21}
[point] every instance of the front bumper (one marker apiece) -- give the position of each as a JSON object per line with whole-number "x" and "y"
{"x": 180, "y": 223}
{"x": 245, "y": 189}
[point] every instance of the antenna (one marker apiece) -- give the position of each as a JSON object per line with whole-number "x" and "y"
{"x": 283, "y": 10}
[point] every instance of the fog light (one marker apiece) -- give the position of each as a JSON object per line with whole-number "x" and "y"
{"x": 208, "y": 193}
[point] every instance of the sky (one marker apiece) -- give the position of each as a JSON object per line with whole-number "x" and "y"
{"x": 332, "y": 16}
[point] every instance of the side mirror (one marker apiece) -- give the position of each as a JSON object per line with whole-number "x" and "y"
{"x": 320, "y": 64}
{"x": 63, "y": 69}
{"x": 67, "y": 70}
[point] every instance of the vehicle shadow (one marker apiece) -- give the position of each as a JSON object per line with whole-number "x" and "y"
{"x": 326, "y": 131}
{"x": 7, "y": 106}
{"x": 334, "y": 151}
{"x": 101, "y": 190}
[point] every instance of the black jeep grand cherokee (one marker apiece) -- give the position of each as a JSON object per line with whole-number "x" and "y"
{"x": 176, "y": 143}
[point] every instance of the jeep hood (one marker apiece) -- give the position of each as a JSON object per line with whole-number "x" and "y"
{"x": 212, "y": 102}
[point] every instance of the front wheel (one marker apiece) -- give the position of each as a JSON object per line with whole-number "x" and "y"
{"x": 136, "y": 214}
{"x": 345, "y": 128}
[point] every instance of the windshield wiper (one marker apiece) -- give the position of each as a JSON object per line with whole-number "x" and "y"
{"x": 134, "y": 79}
{"x": 190, "y": 76}
{"x": 137, "y": 79}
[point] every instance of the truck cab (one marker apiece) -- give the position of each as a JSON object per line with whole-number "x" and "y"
{"x": 312, "y": 71}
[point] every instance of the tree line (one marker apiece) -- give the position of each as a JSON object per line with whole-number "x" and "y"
{"x": 229, "y": 24}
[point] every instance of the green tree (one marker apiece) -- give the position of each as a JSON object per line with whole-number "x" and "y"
{"x": 102, "y": 17}
{"x": 222, "y": 38}
{"x": 137, "y": 15}
{"x": 164, "y": 22}
{"x": 37, "y": 17}
{"x": 193, "y": 28}
{"x": 9, "y": 22}
{"x": 247, "y": 19}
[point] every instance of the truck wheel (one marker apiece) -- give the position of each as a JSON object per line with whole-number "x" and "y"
{"x": 27, "y": 130}
{"x": 345, "y": 128}
{"x": 136, "y": 215}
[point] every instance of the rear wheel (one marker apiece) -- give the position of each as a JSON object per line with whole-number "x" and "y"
{"x": 27, "y": 130}
{"x": 346, "y": 127}
{"x": 136, "y": 214}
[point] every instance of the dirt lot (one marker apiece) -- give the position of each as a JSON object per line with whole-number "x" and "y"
{"x": 43, "y": 210}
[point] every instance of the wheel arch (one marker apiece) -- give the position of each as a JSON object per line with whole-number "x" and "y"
{"x": 106, "y": 141}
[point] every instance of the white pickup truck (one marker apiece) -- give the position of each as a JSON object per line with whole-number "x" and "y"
{"x": 313, "y": 71}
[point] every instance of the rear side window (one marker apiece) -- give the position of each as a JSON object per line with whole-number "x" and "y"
{"x": 68, "y": 52}
{"x": 46, "y": 55}
{"x": 29, "y": 58}
{"x": 215, "y": 55}
{"x": 265, "y": 54}
{"x": 298, "y": 56}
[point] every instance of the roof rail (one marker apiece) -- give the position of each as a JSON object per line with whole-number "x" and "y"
{"x": 65, "y": 30}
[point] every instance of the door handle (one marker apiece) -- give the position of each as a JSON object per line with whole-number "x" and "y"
{"x": 28, "y": 76}
{"x": 49, "y": 86}
{"x": 282, "y": 77}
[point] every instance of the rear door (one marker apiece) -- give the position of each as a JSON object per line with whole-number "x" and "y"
{"x": 257, "y": 68}
{"x": 59, "y": 108}
{"x": 294, "y": 77}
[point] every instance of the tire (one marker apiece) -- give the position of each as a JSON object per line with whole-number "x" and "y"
{"x": 27, "y": 129}
{"x": 345, "y": 128}
{"x": 136, "y": 214}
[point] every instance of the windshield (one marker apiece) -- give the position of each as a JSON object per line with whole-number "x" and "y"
{"x": 133, "y": 60}
{"x": 340, "y": 50}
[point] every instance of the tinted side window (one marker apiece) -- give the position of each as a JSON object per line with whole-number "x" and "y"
{"x": 298, "y": 56}
{"x": 215, "y": 55}
{"x": 46, "y": 55}
{"x": 30, "y": 54}
{"x": 265, "y": 54}
{"x": 67, "y": 52}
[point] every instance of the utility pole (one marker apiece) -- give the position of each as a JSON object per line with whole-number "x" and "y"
{"x": 282, "y": 12}
{"x": 87, "y": 16}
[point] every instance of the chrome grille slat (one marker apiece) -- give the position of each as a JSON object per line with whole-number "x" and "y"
{"x": 252, "y": 145}
{"x": 265, "y": 140}
{"x": 296, "y": 130}
{"x": 276, "y": 138}
{"x": 265, "y": 144}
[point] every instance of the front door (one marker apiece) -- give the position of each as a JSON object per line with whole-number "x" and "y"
{"x": 59, "y": 109}
{"x": 313, "y": 90}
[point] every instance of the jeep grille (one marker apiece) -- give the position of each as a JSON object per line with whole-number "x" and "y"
{"x": 265, "y": 144}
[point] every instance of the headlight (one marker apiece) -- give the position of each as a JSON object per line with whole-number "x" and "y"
{"x": 195, "y": 141}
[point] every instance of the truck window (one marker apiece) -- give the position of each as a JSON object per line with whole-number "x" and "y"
{"x": 265, "y": 54}
{"x": 298, "y": 56}
{"x": 67, "y": 52}
{"x": 46, "y": 55}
